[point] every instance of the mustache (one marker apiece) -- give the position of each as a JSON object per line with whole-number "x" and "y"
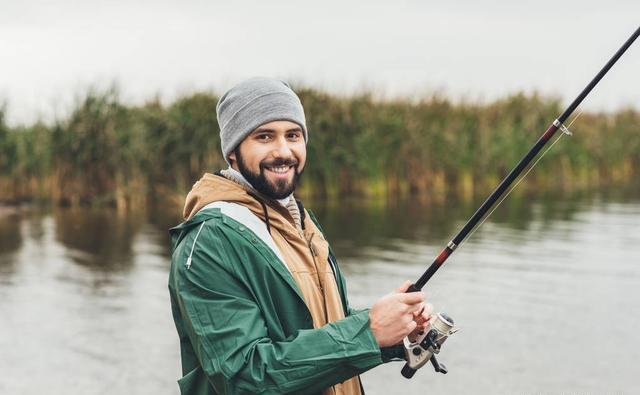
{"x": 279, "y": 162}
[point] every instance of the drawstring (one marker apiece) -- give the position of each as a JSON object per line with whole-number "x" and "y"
{"x": 264, "y": 209}
{"x": 303, "y": 215}
{"x": 193, "y": 246}
{"x": 266, "y": 215}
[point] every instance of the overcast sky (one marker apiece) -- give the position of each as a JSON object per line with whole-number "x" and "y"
{"x": 53, "y": 50}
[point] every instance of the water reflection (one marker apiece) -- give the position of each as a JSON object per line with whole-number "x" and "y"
{"x": 89, "y": 287}
{"x": 352, "y": 226}
{"x": 10, "y": 243}
{"x": 100, "y": 239}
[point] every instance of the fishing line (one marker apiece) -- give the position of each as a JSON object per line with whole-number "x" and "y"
{"x": 566, "y": 131}
{"x": 428, "y": 344}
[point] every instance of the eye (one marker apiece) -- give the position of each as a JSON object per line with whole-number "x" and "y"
{"x": 263, "y": 137}
{"x": 293, "y": 136}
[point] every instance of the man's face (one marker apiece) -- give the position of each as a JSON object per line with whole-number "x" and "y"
{"x": 272, "y": 158}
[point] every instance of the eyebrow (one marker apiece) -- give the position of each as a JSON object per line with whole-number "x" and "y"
{"x": 267, "y": 130}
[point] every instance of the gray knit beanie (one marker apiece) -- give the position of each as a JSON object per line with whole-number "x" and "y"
{"x": 252, "y": 103}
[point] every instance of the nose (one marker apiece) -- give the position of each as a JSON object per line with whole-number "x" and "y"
{"x": 282, "y": 149}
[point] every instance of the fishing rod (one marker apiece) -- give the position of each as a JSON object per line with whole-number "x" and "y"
{"x": 427, "y": 345}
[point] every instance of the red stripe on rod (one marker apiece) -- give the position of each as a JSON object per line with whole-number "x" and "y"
{"x": 444, "y": 254}
{"x": 547, "y": 135}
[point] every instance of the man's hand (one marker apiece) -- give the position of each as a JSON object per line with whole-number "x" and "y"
{"x": 394, "y": 316}
{"x": 422, "y": 319}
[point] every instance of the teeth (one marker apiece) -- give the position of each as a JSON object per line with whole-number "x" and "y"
{"x": 280, "y": 169}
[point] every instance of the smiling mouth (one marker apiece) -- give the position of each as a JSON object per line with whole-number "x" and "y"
{"x": 279, "y": 169}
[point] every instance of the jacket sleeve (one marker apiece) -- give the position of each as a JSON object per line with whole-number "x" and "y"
{"x": 390, "y": 353}
{"x": 230, "y": 336}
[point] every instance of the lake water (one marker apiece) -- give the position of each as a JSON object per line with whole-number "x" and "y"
{"x": 546, "y": 295}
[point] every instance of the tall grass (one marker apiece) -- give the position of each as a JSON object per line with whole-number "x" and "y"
{"x": 108, "y": 153}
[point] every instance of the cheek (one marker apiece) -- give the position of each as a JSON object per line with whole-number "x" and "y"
{"x": 251, "y": 155}
{"x": 301, "y": 155}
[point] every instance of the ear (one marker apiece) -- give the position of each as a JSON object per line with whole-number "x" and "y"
{"x": 232, "y": 157}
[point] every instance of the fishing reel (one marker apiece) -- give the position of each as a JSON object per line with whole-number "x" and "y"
{"x": 425, "y": 347}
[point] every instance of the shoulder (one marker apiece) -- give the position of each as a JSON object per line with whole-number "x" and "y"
{"x": 211, "y": 230}
{"x": 222, "y": 230}
{"x": 209, "y": 249}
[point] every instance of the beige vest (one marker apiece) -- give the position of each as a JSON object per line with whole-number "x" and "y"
{"x": 306, "y": 253}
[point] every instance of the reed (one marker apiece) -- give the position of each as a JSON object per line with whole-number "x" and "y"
{"x": 108, "y": 153}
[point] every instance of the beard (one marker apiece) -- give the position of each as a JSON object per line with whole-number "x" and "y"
{"x": 279, "y": 189}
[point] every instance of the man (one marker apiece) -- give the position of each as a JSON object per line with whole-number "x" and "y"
{"x": 257, "y": 297}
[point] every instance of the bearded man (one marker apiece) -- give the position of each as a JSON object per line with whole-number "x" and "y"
{"x": 257, "y": 296}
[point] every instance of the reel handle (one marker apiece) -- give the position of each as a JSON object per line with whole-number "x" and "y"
{"x": 407, "y": 372}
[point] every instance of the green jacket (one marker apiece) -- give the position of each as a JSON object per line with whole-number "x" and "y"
{"x": 243, "y": 325}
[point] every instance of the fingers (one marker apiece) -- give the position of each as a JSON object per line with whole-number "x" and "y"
{"x": 398, "y": 314}
{"x": 422, "y": 316}
{"x": 418, "y": 316}
{"x": 403, "y": 288}
{"x": 419, "y": 312}
{"x": 427, "y": 311}
{"x": 412, "y": 298}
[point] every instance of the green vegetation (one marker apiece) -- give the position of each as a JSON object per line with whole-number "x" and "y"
{"x": 107, "y": 153}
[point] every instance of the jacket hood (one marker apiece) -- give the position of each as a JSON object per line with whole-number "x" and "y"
{"x": 213, "y": 188}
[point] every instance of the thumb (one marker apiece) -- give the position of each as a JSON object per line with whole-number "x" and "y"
{"x": 403, "y": 288}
